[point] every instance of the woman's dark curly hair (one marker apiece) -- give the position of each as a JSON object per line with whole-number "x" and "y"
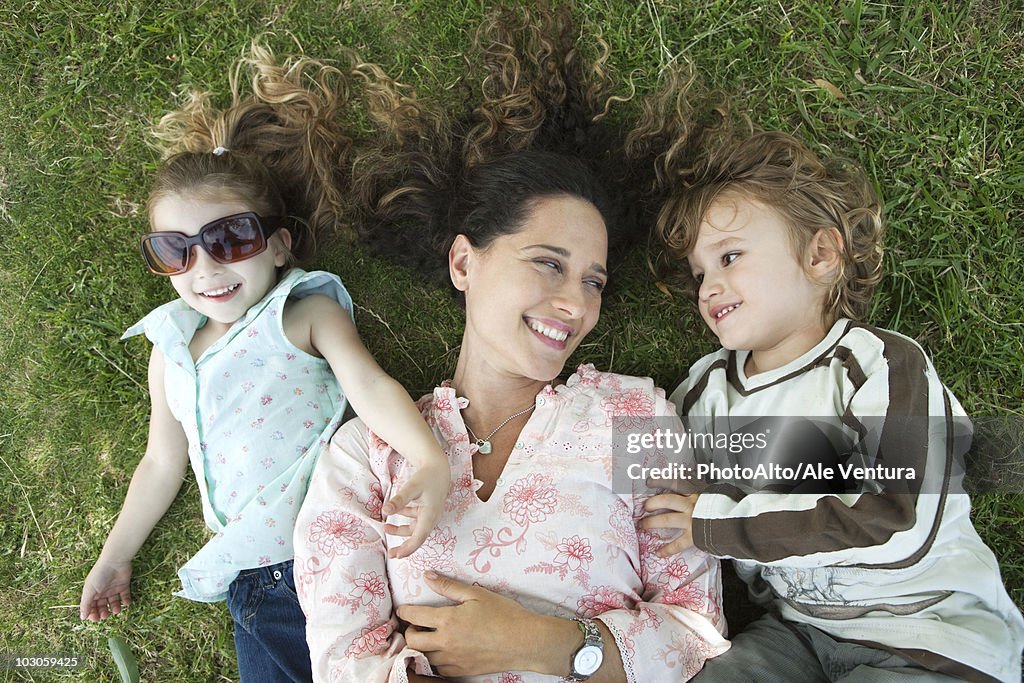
{"x": 534, "y": 124}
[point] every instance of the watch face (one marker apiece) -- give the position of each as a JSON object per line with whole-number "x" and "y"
{"x": 587, "y": 660}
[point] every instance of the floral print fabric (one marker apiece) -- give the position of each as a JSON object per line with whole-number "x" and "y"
{"x": 554, "y": 536}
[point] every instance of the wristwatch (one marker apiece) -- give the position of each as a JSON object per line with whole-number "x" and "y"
{"x": 588, "y": 657}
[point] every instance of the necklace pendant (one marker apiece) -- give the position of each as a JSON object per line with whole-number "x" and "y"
{"x": 485, "y": 447}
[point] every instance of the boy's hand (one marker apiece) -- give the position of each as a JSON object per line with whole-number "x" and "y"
{"x": 428, "y": 487}
{"x": 106, "y": 590}
{"x": 679, "y": 516}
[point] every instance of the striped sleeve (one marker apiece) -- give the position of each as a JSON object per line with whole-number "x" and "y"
{"x": 905, "y": 418}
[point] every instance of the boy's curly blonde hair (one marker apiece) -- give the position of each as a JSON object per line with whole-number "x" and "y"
{"x": 780, "y": 172}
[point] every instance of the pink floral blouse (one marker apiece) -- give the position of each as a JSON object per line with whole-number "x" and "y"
{"x": 554, "y": 536}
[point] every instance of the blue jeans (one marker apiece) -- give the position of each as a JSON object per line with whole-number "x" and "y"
{"x": 270, "y": 628}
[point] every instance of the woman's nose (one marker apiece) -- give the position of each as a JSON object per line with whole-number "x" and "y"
{"x": 571, "y": 300}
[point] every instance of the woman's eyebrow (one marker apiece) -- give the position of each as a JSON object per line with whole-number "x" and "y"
{"x": 565, "y": 253}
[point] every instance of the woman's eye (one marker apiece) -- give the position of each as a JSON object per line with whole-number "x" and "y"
{"x": 730, "y": 257}
{"x": 553, "y": 265}
{"x": 598, "y": 285}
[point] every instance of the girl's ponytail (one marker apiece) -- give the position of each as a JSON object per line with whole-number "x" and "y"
{"x": 281, "y": 147}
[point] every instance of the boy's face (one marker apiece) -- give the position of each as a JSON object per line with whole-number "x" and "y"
{"x": 754, "y": 293}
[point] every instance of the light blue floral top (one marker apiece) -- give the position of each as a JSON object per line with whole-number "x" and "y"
{"x": 257, "y": 412}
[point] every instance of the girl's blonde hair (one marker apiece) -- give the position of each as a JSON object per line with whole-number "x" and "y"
{"x": 281, "y": 148}
{"x": 780, "y": 172}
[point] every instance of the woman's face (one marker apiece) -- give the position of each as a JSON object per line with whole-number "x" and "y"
{"x": 532, "y": 296}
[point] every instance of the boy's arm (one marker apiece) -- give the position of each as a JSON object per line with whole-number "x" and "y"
{"x": 914, "y": 422}
{"x": 155, "y": 483}
{"x": 386, "y": 408}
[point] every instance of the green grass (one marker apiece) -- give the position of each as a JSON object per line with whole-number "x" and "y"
{"x": 930, "y": 104}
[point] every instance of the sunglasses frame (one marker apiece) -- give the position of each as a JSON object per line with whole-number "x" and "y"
{"x": 265, "y": 225}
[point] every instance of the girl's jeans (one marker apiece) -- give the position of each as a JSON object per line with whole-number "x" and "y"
{"x": 270, "y": 628}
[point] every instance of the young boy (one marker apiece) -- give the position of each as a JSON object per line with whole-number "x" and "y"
{"x": 875, "y": 582}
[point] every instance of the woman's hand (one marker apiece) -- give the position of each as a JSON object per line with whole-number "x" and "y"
{"x": 486, "y": 633}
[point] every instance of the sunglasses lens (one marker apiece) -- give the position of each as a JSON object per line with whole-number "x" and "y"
{"x": 234, "y": 239}
{"x": 165, "y": 254}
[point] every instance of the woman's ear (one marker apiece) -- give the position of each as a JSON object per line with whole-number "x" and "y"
{"x": 459, "y": 257}
{"x": 281, "y": 241}
{"x": 824, "y": 252}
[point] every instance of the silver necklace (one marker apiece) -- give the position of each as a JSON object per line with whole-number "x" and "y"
{"x": 484, "y": 444}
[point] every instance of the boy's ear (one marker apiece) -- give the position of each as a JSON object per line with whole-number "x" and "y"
{"x": 459, "y": 257}
{"x": 824, "y": 252}
{"x": 281, "y": 254}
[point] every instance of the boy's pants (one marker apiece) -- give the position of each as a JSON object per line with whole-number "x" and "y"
{"x": 270, "y": 628}
{"x": 772, "y": 651}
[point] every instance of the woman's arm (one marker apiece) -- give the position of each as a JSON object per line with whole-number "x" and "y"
{"x": 341, "y": 568}
{"x": 677, "y": 623}
{"x": 387, "y": 410}
{"x": 156, "y": 482}
{"x": 484, "y": 632}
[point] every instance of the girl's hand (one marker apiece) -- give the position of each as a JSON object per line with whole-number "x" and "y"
{"x": 483, "y": 633}
{"x": 680, "y": 516}
{"x": 106, "y": 591}
{"x": 428, "y": 487}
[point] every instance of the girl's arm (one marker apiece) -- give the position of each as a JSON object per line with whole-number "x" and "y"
{"x": 341, "y": 571}
{"x": 153, "y": 488}
{"x": 388, "y": 411}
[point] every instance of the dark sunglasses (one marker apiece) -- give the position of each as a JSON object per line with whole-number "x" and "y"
{"x": 226, "y": 240}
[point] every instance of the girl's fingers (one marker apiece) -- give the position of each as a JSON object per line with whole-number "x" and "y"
{"x": 392, "y": 530}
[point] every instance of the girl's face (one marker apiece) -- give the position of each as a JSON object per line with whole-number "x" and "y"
{"x": 754, "y": 293}
{"x": 532, "y": 296}
{"x": 223, "y": 292}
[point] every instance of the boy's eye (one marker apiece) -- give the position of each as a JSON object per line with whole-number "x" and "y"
{"x": 699, "y": 277}
{"x": 730, "y": 257}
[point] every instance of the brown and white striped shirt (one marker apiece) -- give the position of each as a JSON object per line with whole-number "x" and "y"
{"x": 898, "y": 570}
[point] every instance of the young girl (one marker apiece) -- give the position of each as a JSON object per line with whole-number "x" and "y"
{"x": 252, "y": 365}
